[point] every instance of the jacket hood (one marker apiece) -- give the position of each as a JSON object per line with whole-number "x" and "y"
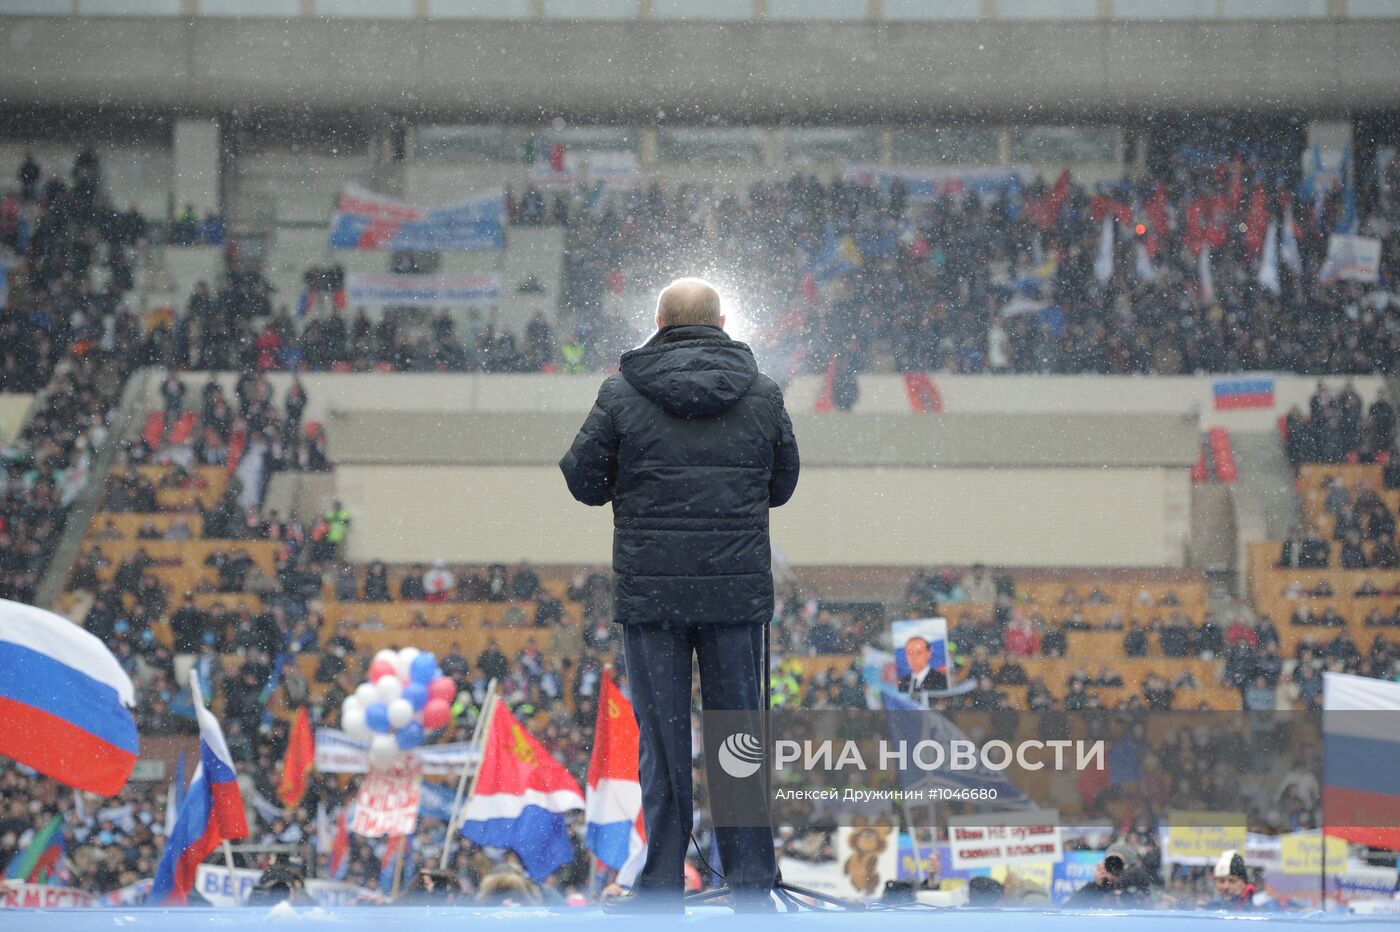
{"x": 691, "y": 371}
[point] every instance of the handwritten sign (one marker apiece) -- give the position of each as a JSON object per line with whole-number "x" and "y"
{"x": 1204, "y": 835}
{"x": 1302, "y": 854}
{"x": 389, "y": 799}
{"x": 1014, "y": 838}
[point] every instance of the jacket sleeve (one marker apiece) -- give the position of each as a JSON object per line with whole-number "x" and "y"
{"x": 783, "y": 482}
{"x": 590, "y": 466}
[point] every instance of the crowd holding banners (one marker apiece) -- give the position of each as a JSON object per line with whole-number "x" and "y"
{"x": 520, "y": 775}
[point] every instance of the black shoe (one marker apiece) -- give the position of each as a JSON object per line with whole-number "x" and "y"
{"x": 637, "y": 904}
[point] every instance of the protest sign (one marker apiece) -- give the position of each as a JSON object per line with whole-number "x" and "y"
{"x": 1031, "y": 837}
{"x": 1200, "y": 837}
{"x": 389, "y": 799}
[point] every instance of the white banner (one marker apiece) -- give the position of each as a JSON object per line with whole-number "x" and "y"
{"x": 615, "y": 170}
{"x": 212, "y": 881}
{"x": 424, "y": 290}
{"x": 388, "y": 800}
{"x": 1019, "y": 838}
{"x": 1351, "y": 259}
{"x": 17, "y": 895}
{"x": 337, "y": 752}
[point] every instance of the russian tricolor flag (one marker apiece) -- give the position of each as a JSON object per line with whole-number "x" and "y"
{"x": 211, "y": 813}
{"x": 1231, "y": 394}
{"x": 64, "y": 701}
{"x": 1360, "y": 745}
{"x": 615, "y": 828}
{"x": 520, "y": 798}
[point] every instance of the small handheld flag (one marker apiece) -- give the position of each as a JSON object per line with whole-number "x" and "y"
{"x": 212, "y": 812}
{"x": 42, "y": 859}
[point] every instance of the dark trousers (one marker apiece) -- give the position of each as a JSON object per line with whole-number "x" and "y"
{"x": 731, "y": 679}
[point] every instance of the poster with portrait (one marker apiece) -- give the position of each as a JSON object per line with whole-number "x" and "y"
{"x": 922, "y": 660}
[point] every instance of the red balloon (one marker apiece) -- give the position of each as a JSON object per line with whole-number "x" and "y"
{"x": 380, "y": 669}
{"x": 436, "y": 714}
{"x": 442, "y": 688}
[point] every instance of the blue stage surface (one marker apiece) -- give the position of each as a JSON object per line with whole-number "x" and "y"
{"x": 457, "y": 918}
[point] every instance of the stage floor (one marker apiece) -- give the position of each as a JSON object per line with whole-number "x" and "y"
{"x": 457, "y": 918}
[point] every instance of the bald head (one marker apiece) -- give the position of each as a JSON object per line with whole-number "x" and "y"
{"x": 689, "y": 302}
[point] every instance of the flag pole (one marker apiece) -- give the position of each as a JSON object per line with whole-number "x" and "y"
{"x": 398, "y": 868}
{"x": 478, "y": 739}
{"x": 232, "y": 875}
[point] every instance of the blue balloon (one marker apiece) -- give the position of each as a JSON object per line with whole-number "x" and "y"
{"x": 424, "y": 665}
{"x": 410, "y": 736}
{"x": 377, "y": 717}
{"x": 417, "y": 695}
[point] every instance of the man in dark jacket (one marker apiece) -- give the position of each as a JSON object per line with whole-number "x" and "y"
{"x": 692, "y": 445}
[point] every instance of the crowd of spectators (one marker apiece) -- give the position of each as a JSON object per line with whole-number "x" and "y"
{"x": 858, "y": 277}
{"x": 858, "y": 273}
{"x": 1363, "y": 537}
{"x": 1339, "y": 429}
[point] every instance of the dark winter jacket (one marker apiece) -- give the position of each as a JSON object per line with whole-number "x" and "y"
{"x": 692, "y": 446}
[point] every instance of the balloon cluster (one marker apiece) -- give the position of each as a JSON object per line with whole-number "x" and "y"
{"x": 406, "y": 697}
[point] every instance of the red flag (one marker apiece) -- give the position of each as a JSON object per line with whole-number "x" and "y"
{"x": 556, "y": 157}
{"x": 1045, "y": 211}
{"x": 296, "y": 766}
{"x": 1101, "y": 206}
{"x": 1256, "y": 223}
{"x": 1236, "y": 189}
{"x": 1219, "y": 222}
{"x": 1197, "y": 224}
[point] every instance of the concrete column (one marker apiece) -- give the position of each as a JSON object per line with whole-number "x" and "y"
{"x": 197, "y": 166}
{"x": 886, "y": 146}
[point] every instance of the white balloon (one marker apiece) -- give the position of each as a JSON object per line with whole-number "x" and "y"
{"x": 367, "y": 693}
{"x": 352, "y": 722}
{"x": 389, "y": 689}
{"x": 404, "y": 661}
{"x": 388, "y": 654}
{"x": 400, "y": 712}
{"x": 352, "y": 701}
{"x": 383, "y": 749}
